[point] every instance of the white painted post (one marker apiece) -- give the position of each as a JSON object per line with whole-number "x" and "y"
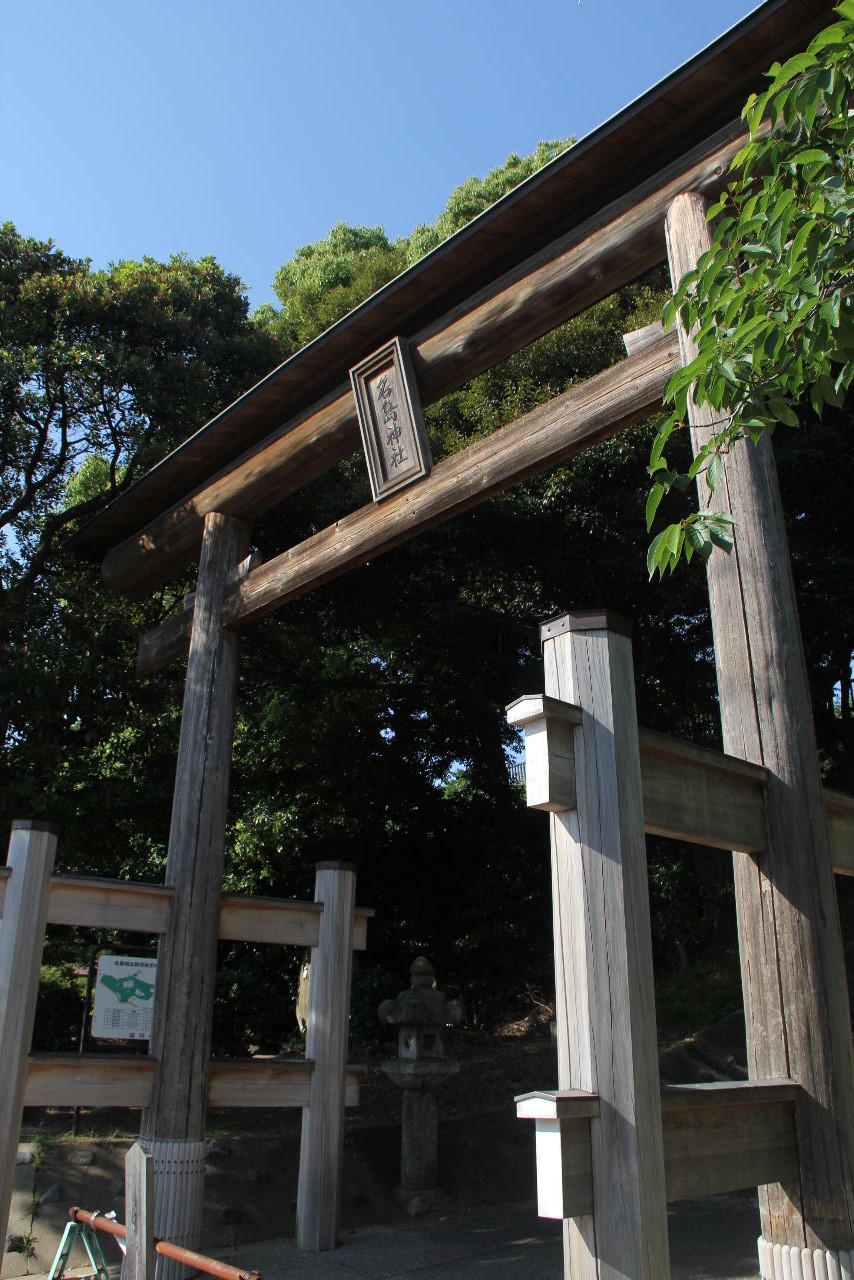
{"x": 32, "y": 849}
{"x": 139, "y": 1215}
{"x": 606, "y": 1029}
{"x": 549, "y": 750}
{"x": 327, "y": 1033}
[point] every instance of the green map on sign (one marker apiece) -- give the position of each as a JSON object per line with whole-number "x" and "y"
{"x": 130, "y": 988}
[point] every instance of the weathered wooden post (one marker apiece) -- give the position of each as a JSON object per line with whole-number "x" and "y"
{"x": 139, "y": 1215}
{"x": 796, "y": 1007}
{"x": 327, "y": 1035}
{"x": 32, "y": 849}
{"x": 173, "y": 1126}
{"x": 605, "y": 1007}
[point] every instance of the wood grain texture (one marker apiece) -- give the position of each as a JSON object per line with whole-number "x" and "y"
{"x": 609, "y": 249}
{"x": 113, "y": 1080}
{"x": 139, "y": 1215}
{"x": 88, "y": 1080}
{"x": 603, "y": 955}
{"x": 283, "y": 923}
{"x": 576, "y": 1168}
{"x": 596, "y": 409}
{"x": 144, "y": 908}
{"x": 549, "y": 728}
{"x": 796, "y": 1003}
{"x": 640, "y": 338}
{"x": 32, "y": 849}
{"x": 322, "y": 1142}
{"x": 183, "y": 1007}
{"x": 691, "y": 794}
{"x": 249, "y": 919}
{"x": 109, "y": 904}
{"x": 716, "y": 1138}
{"x": 709, "y": 1150}
{"x": 269, "y": 1083}
{"x": 247, "y": 564}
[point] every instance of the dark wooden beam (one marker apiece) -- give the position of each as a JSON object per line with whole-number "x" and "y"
{"x": 186, "y": 958}
{"x": 582, "y": 416}
{"x": 605, "y": 252}
{"x": 728, "y": 1137}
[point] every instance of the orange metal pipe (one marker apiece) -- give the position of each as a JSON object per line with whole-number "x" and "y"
{"x": 198, "y": 1261}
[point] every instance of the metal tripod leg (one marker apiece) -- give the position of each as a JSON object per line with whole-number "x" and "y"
{"x": 90, "y": 1242}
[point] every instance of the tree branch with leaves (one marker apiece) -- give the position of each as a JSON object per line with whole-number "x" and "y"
{"x": 771, "y": 304}
{"x": 116, "y": 365}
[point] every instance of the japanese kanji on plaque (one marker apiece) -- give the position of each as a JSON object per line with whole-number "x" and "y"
{"x": 390, "y": 419}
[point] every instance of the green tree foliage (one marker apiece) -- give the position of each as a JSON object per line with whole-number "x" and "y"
{"x": 370, "y": 721}
{"x": 118, "y": 365}
{"x": 102, "y": 373}
{"x": 771, "y": 303}
{"x": 403, "y": 670}
{"x": 475, "y": 195}
{"x": 324, "y": 281}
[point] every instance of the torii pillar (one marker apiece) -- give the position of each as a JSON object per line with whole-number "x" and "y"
{"x": 173, "y": 1125}
{"x": 793, "y": 974}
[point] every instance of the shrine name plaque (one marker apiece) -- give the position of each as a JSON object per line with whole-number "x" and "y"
{"x": 397, "y": 450}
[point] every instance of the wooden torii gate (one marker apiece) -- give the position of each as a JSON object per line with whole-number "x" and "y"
{"x": 590, "y": 222}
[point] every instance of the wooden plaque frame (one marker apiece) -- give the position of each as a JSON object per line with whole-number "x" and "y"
{"x": 391, "y": 421}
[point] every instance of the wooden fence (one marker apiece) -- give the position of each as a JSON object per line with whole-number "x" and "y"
{"x": 609, "y": 1136}
{"x": 321, "y": 1083}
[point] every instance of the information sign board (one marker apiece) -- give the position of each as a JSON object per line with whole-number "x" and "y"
{"x": 124, "y": 997}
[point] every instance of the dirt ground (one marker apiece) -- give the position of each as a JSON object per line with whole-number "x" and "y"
{"x": 486, "y": 1156}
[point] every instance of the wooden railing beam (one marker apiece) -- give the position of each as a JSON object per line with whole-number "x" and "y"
{"x": 128, "y": 906}
{"x": 727, "y": 1136}
{"x": 116, "y": 1080}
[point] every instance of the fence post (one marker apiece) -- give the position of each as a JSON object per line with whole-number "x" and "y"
{"x": 32, "y": 849}
{"x": 322, "y": 1144}
{"x": 139, "y": 1214}
{"x": 605, "y": 1006}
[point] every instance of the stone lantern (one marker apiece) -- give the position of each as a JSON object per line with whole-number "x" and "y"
{"x": 421, "y": 1015}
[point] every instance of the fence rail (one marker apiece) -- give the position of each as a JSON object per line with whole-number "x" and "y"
{"x": 133, "y": 907}
{"x": 124, "y": 1080}
{"x": 322, "y": 1084}
{"x": 690, "y": 793}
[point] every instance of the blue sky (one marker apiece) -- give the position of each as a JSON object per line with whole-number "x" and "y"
{"x": 245, "y": 130}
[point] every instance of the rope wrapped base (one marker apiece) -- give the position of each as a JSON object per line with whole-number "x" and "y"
{"x": 788, "y": 1262}
{"x": 179, "y": 1174}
